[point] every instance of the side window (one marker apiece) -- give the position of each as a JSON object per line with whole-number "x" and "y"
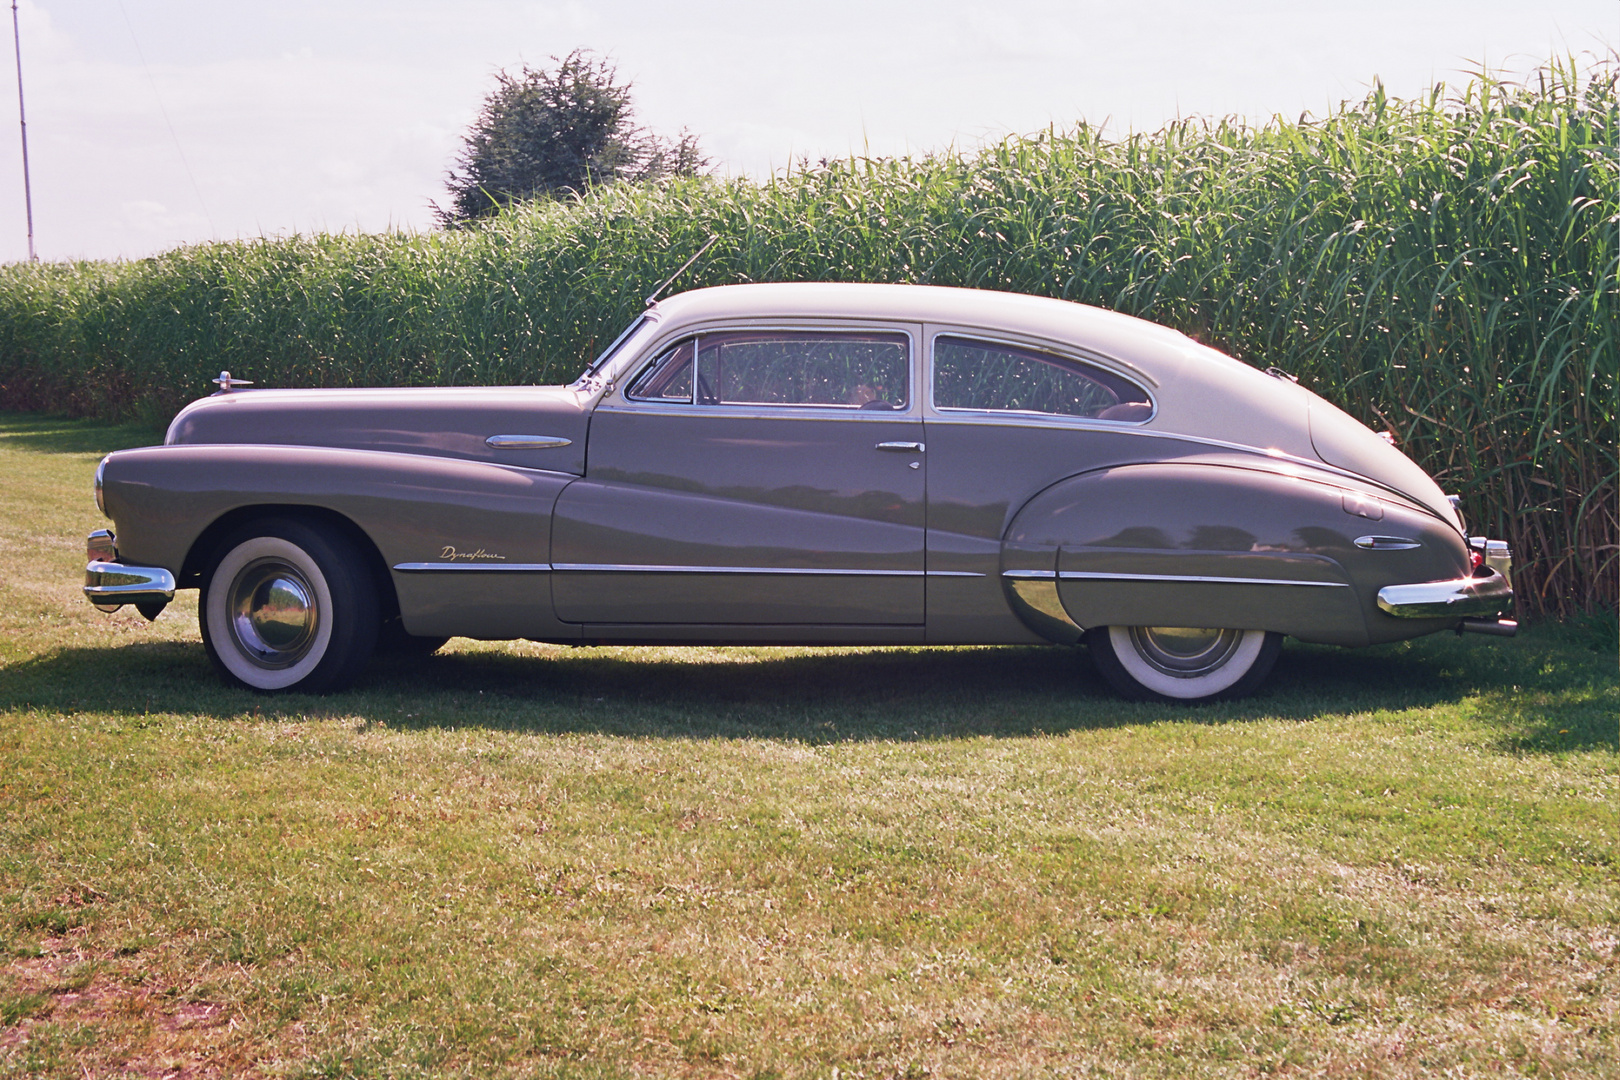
{"x": 779, "y": 367}
{"x": 984, "y": 375}
{"x": 782, "y": 367}
{"x": 668, "y": 378}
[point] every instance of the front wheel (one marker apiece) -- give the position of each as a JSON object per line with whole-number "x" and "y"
{"x": 1173, "y": 663}
{"x": 288, "y": 606}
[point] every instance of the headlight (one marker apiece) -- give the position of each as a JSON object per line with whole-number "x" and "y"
{"x": 101, "y": 503}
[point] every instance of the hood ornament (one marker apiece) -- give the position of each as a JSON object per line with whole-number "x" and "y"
{"x": 226, "y": 384}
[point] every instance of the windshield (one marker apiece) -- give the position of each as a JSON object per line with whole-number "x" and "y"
{"x": 608, "y": 353}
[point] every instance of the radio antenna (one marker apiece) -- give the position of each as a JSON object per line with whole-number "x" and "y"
{"x": 28, "y": 192}
{"x": 653, "y": 298}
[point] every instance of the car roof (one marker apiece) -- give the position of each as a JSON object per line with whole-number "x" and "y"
{"x": 1059, "y": 320}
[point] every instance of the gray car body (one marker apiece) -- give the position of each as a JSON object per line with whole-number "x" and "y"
{"x": 1238, "y": 504}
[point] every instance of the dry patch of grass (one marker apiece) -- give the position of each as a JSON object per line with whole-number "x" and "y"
{"x": 109, "y": 1012}
{"x": 520, "y": 860}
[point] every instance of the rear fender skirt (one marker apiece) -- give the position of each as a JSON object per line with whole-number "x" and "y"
{"x": 1194, "y": 544}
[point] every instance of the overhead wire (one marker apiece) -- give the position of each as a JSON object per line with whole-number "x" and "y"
{"x": 158, "y": 97}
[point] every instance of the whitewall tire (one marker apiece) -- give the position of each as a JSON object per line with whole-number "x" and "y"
{"x": 287, "y": 605}
{"x": 1165, "y": 663}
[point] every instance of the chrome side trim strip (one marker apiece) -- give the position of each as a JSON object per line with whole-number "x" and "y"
{"x": 1086, "y": 575}
{"x": 630, "y": 568}
{"x": 526, "y": 442}
{"x": 608, "y": 568}
{"x": 505, "y": 567}
{"x": 1469, "y": 596}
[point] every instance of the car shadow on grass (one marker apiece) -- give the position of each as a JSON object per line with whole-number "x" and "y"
{"x": 1539, "y": 694}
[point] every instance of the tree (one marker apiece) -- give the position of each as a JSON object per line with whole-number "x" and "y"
{"x": 546, "y": 133}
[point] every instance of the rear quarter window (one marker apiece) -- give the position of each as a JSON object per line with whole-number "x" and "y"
{"x": 988, "y": 376}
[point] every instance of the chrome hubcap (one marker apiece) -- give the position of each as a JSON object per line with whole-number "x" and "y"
{"x": 273, "y": 613}
{"x": 1184, "y": 652}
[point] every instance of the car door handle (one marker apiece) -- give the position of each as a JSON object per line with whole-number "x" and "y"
{"x": 525, "y": 442}
{"x": 902, "y": 447}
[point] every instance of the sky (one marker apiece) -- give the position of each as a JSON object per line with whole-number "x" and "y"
{"x": 154, "y": 124}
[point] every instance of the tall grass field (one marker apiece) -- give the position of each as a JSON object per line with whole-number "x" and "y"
{"x": 1444, "y": 267}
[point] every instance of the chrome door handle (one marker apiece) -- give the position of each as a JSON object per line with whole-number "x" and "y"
{"x": 902, "y": 447}
{"x": 525, "y": 442}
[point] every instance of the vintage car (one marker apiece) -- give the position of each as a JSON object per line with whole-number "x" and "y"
{"x": 804, "y": 464}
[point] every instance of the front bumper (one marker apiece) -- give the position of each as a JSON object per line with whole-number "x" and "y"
{"x": 109, "y": 584}
{"x": 1486, "y": 594}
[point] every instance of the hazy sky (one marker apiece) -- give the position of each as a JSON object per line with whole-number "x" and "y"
{"x": 156, "y": 123}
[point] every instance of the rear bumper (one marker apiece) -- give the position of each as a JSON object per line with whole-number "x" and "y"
{"x": 1485, "y": 595}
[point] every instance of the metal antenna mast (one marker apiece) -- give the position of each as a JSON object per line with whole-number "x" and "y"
{"x": 28, "y": 193}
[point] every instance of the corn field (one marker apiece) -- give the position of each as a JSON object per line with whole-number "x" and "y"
{"x": 1446, "y": 267}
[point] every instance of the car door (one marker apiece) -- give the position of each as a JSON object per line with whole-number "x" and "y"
{"x": 751, "y": 476}
{"x": 1006, "y": 419}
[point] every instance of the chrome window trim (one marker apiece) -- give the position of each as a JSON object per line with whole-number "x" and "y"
{"x": 1131, "y": 373}
{"x": 619, "y": 399}
{"x": 601, "y": 370}
{"x": 770, "y": 412}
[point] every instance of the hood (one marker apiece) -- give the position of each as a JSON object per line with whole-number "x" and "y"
{"x": 451, "y": 422}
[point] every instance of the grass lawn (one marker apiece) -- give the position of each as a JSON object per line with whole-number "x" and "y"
{"x": 521, "y": 860}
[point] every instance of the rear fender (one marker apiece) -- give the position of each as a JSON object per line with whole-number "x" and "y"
{"x": 1213, "y": 545}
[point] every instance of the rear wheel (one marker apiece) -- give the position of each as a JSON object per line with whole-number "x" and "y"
{"x": 1173, "y": 663}
{"x": 288, "y": 606}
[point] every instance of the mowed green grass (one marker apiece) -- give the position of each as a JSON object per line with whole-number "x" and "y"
{"x": 520, "y": 860}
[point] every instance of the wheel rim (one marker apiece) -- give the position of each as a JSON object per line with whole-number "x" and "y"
{"x": 273, "y": 613}
{"x": 1184, "y": 652}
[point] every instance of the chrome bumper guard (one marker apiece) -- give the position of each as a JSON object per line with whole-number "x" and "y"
{"x": 109, "y": 584}
{"x": 1487, "y": 595}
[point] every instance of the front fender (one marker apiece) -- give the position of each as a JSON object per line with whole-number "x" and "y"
{"x": 162, "y": 498}
{"x": 1218, "y": 545}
